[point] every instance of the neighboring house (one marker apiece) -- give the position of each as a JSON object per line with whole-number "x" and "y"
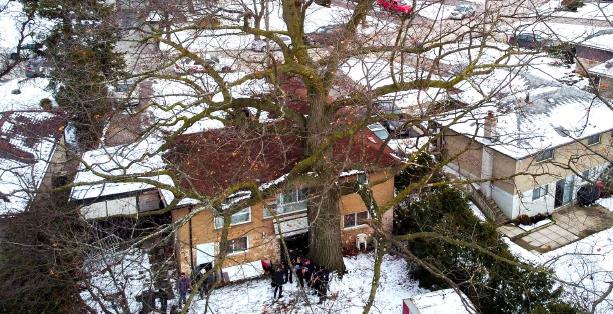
{"x": 438, "y": 302}
{"x": 603, "y": 74}
{"x": 594, "y": 50}
{"x": 101, "y": 198}
{"x": 541, "y": 146}
{"x": 212, "y": 161}
{"x": 29, "y": 140}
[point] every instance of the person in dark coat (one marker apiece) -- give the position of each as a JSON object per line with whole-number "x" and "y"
{"x": 287, "y": 271}
{"x": 277, "y": 282}
{"x": 183, "y": 285}
{"x": 324, "y": 277}
{"x": 298, "y": 271}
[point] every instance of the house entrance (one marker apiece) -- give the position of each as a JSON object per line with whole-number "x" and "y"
{"x": 297, "y": 245}
{"x": 564, "y": 192}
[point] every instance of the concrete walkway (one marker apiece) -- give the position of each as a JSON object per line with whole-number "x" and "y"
{"x": 569, "y": 225}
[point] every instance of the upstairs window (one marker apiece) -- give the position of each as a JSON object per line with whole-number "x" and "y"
{"x": 544, "y": 155}
{"x": 240, "y": 217}
{"x": 287, "y": 202}
{"x": 593, "y": 140}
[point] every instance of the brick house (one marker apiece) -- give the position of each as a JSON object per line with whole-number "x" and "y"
{"x": 594, "y": 50}
{"x": 226, "y": 157}
{"x": 533, "y": 150}
{"x": 603, "y": 74}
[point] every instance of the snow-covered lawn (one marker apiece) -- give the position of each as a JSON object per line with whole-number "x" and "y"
{"x": 585, "y": 267}
{"x": 348, "y": 295}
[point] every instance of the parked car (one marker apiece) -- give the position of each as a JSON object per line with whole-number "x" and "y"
{"x": 529, "y": 41}
{"x": 327, "y": 35}
{"x": 462, "y": 11}
{"x": 260, "y": 45}
{"x": 188, "y": 65}
{"x": 396, "y": 6}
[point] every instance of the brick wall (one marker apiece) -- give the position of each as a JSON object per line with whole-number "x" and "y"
{"x": 260, "y": 231}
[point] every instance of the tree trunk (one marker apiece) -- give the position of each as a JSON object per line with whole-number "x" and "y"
{"x": 325, "y": 233}
{"x": 325, "y": 245}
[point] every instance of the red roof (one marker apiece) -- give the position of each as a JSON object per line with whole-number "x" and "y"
{"x": 212, "y": 161}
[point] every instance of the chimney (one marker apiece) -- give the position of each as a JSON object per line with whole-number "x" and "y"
{"x": 489, "y": 126}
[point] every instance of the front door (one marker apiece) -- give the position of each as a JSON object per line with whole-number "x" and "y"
{"x": 564, "y": 192}
{"x": 559, "y": 196}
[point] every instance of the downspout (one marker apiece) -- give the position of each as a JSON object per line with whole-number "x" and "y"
{"x": 191, "y": 248}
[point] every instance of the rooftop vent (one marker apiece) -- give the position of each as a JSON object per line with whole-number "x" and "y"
{"x": 561, "y": 131}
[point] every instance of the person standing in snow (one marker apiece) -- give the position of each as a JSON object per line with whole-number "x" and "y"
{"x": 298, "y": 270}
{"x": 277, "y": 282}
{"x": 183, "y": 285}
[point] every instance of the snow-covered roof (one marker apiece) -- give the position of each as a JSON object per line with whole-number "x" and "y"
{"x": 441, "y": 301}
{"x": 603, "y": 69}
{"x": 602, "y": 40}
{"x": 27, "y": 140}
{"x": 557, "y": 31}
{"x": 553, "y": 116}
{"x": 135, "y": 160}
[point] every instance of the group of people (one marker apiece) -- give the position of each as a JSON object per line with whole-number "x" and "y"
{"x": 307, "y": 272}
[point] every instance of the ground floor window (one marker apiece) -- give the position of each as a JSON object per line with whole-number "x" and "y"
{"x": 238, "y": 245}
{"x": 355, "y": 219}
{"x": 540, "y": 192}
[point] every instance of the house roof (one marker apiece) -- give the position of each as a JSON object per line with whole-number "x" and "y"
{"x": 602, "y": 40}
{"x": 553, "y": 116}
{"x": 603, "y": 69}
{"x": 213, "y": 161}
{"x": 441, "y": 301}
{"x": 136, "y": 160}
{"x": 28, "y": 136}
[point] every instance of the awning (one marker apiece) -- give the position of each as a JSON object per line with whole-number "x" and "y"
{"x": 292, "y": 225}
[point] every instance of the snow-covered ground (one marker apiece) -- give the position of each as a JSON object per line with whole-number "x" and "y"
{"x": 115, "y": 278}
{"x": 606, "y": 202}
{"x": 348, "y": 295}
{"x": 585, "y": 268}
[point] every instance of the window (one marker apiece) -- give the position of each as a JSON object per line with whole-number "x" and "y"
{"x": 287, "y": 202}
{"x": 593, "y": 140}
{"x": 544, "y": 155}
{"x": 362, "y": 178}
{"x": 238, "y": 245}
{"x": 242, "y": 216}
{"x": 355, "y": 219}
{"x": 539, "y": 192}
{"x": 379, "y": 131}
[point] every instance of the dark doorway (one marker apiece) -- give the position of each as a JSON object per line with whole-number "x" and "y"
{"x": 559, "y": 196}
{"x": 297, "y": 245}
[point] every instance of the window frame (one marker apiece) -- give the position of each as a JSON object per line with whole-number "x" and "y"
{"x": 364, "y": 175}
{"x": 231, "y": 242}
{"x": 589, "y": 139}
{"x": 279, "y": 202}
{"x": 218, "y": 220}
{"x": 355, "y": 219}
{"x": 543, "y": 191}
{"x": 539, "y": 156}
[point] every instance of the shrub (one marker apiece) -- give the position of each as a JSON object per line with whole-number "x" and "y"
{"x": 492, "y": 284}
{"x": 572, "y": 5}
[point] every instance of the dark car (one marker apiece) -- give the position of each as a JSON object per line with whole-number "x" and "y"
{"x": 329, "y": 35}
{"x": 529, "y": 41}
